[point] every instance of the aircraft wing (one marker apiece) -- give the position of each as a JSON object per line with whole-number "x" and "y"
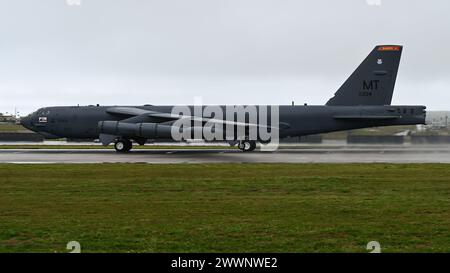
{"x": 127, "y": 111}
{"x": 367, "y": 117}
{"x": 165, "y": 117}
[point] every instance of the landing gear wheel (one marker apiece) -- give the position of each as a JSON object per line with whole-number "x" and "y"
{"x": 252, "y": 145}
{"x": 123, "y": 145}
{"x": 247, "y": 145}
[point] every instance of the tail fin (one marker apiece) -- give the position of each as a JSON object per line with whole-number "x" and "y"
{"x": 372, "y": 83}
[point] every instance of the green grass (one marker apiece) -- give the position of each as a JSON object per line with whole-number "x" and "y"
{"x": 11, "y": 127}
{"x": 225, "y": 207}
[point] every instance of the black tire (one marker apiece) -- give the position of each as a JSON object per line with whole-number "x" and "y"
{"x": 247, "y": 145}
{"x": 129, "y": 145}
{"x": 241, "y": 145}
{"x": 252, "y": 145}
{"x": 123, "y": 145}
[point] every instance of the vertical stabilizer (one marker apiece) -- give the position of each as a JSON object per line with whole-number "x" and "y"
{"x": 372, "y": 83}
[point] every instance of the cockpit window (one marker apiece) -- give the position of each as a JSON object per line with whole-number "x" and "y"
{"x": 43, "y": 111}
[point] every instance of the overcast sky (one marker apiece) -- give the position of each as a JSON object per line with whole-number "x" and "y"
{"x": 138, "y": 52}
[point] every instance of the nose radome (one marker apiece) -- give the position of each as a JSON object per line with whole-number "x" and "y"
{"x": 26, "y": 122}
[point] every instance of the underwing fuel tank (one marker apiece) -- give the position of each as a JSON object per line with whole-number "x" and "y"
{"x": 143, "y": 130}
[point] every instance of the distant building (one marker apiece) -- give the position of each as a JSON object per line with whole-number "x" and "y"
{"x": 438, "y": 119}
{"x": 7, "y": 118}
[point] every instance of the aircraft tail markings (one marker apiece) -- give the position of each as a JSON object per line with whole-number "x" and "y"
{"x": 372, "y": 83}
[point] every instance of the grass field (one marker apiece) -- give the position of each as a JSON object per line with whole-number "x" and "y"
{"x": 225, "y": 207}
{"x": 11, "y": 127}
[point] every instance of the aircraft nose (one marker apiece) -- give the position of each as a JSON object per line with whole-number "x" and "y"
{"x": 26, "y": 122}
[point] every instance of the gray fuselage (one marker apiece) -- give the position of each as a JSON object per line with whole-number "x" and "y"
{"x": 82, "y": 121}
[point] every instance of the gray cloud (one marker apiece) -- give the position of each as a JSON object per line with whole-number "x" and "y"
{"x": 226, "y": 51}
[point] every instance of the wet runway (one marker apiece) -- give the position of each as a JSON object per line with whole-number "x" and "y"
{"x": 345, "y": 154}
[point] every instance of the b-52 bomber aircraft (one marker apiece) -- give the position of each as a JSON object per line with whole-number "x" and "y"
{"x": 364, "y": 100}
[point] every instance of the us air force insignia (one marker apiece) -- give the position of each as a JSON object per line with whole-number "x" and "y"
{"x": 42, "y": 119}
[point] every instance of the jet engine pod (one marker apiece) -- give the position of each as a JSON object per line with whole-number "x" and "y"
{"x": 117, "y": 128}
{"x": 154, "y": 130}
{"x": 143, "y": 130}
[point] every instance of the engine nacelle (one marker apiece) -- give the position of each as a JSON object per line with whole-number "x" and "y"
{"x": 142, "y": 130}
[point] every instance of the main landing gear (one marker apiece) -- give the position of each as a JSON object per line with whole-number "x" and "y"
{"x": 247, "y": 145}
{"x": 123, "y": 145}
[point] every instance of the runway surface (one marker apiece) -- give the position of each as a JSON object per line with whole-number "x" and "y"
{"x": 394, "y": 154}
